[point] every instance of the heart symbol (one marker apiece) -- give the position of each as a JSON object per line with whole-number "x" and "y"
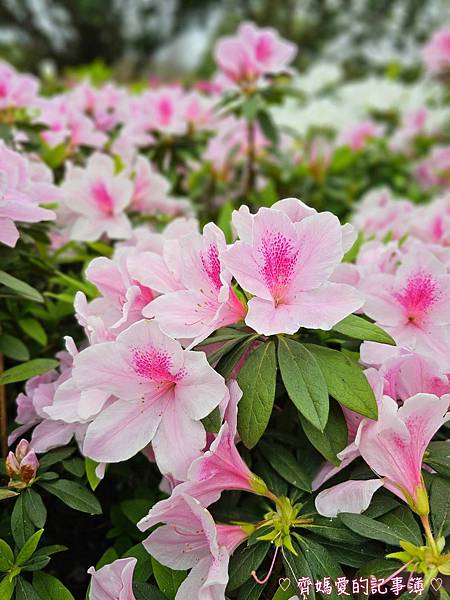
{"x": 436, "y": 583}
{"x": 285, "y": 582}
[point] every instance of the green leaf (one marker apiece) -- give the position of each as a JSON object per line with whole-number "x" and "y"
{"x": 284, "y": 463}
{"x": 37, "y": 366}
{"x": 402, "y": 522}
{"x": 34, "y": 329}
{"x": 29, "y": 548}
{"x": 75, "y": 466}
{"x": 167, "y": 579}
{"x": 7, "y": 588}
{"x": 74, "y": 495}
{"x": 13, "y": 348}
{"x": 54, "y": 156}
{"x": 6, "y": 556}
{"x": 90, "y": 467}
{"x": 143, "y": 569}
{"x": 34, "y": 508}
{"x": 25, "y": 591}
{"x": 369, "y": 528}
{"x": 50, "y": 588}
{"x": 333, "y": 530}
{"x": 345, "y": 380}
{"x": 36, "y": 563}
{"x": 251, "y": 590}
{"x": 145, "y": 591}
{"x": 22, "y": 288}
{"x": 108, "y": 556}
{"x": 21, "y": 526}
{"x": 257, "y": 380}
{"x": 304, "y": 382}
{"x": 321, "y": 562}
{"x": 440, "y": 506}
{"x": 361, "y": 329}
{"x": 243, "y": 562}
{"x": 298, "y": 566}
{"x": 333, "y": 439}
{"x": 227, "y": 363}
{"x": 136, "y": 508}
{"x": 5, "y": 494}
{"x": 268, "y": 126}
{"x": 224, "y": 220}
{"x": 213, "y": 421}
{"x": 54, "y": 456}
{"x": 379, "y": 568}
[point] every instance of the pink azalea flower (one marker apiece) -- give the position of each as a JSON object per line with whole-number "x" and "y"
{"x": 286, "y": 265}
{"x": 19, "y": 202}
{"x": 206, "y": 301}
{"x": 436, "y": 53}
{"x": 252, "y": 53}
{"x": 191, "y": 540}
{"x": 405, "y": 373}
{"x": 394, "y": 445}
{"x": 151, "y": 192}
{"x": 163, "y": 391}
{"x": 16, "y": 90}
{"x": 356, "y": 136}
{"x": 434, "y": 170}
{"x": 414, "y": 305}
{"x": 432, "y": 222}
{"x": 98, "y": 197}
{"x": 113, "y": 581}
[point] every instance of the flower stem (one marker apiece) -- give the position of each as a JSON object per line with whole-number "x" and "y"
{"x": 427, "y": 528}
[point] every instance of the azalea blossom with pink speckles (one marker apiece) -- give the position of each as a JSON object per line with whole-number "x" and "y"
{"x": 207, "y": 301}
{"x": 191, "y": 540}
{"x": 97, "y": 197}
{"x": 414, "y": 305}
{"x": 285, "y": 262}
{"x": 163, "y": 391}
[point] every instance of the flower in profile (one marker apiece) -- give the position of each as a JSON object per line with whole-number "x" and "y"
{"x": 162, "y": 394}
{"x": 22, "y": 465}
{"x": 16, "y": 90}
{"x": 113, "y": 581}
{"x": 284, "y": 259}
{"x": 190, "y": 539}
{"x": 252, "y": 53}
{"x": 394, "y": 445}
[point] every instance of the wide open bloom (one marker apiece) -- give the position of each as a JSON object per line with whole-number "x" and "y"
{"x": 191, "y": 540}
{"x": 284, "y": 258}
{"x": 163, "y": 391}
{"x": 113, "y": 581}
{"x": 394, "y": 445}
{"x": 19, "y": 202}
{"x": 16, "y": 90}
{"x": 98, "y": 197}
{"x": 207, "y": 301}
{"x": 414, "y": 305}
{"x": 252, "y": 53}
{"x": 434, "y": 170}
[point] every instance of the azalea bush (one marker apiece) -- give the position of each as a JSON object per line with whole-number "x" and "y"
{"x": 217, "y": 389}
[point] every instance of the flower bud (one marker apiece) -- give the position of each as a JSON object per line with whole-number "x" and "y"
{"x": 21, "y": 465}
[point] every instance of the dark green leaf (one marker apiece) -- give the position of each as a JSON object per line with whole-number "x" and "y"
{"x": 28, "y": 548}
{"x": 370, "y": 528}
{"x": 145, "y": 591}
{"x": 298, "y": 566}
{"x": 227, "y": 363}
{"x": 74, "y": 495}
{"x": 304, "y": 382}
{"x": 257, "y": 380}
{"x": 25, "y": 591}
{"x": 36, "y": 563}
{"x": 75, "y": 466}
{"x": 34, "y": 508}
{"x": 54, "y": 456}
{"x": 268, "y": 126}
{"x": 167, "y": 579}
{"x": 379, "y": 568}
{"x": 361, "y": 329}
{"x": 333, "y": 530}
{"x": 34, "y": 329}
{"x": 251, "y": 590}
{"x": 6, "y": 556}
{"x": 13, "y": 348}
{"x": 21, "y": 526}
{"x": 283, "y": 461}
{"x": 440, "y": 506}
{"x": 402, "y": 522}
{"x": 143, "y": 568}
{"x": 37, "y": 366}
{"x": 22, "y": 288}
{"x": 213, "y": 421}
{"x": 321, "y": 562}
{"x": 244, "y": 561}
{"x": 50, "y": 588}
{"x": 333, "y": 439}
{"x": 346, "y": 381}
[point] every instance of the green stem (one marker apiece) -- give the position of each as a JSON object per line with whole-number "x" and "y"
{"x": 429, "y": 534}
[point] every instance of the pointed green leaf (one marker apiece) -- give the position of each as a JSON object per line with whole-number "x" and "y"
{"x": 283, "y": 461}
{"x": 28, "y": 548}
{"x": 361, "y": 329}
{"x": 333, "y": 439}
{"x": 167, "y": 579}
{"x": 50, "y": 588}
{"x": 37, "y": 366}
{"x": 74, "y": 495}
{"x": 22, "y": 288}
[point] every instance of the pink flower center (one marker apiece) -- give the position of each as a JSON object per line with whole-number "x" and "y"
{"x": 211, "y": 265}
{"x": 103, "y": 198}
{"x": 3, "y": 89}
{"x": 165, "y": 110}
{"x": 155, "y": 365}
{"x": 279, "y": 261}
{"x": 263, "y": 48}
{"x": 417, "y": 297}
